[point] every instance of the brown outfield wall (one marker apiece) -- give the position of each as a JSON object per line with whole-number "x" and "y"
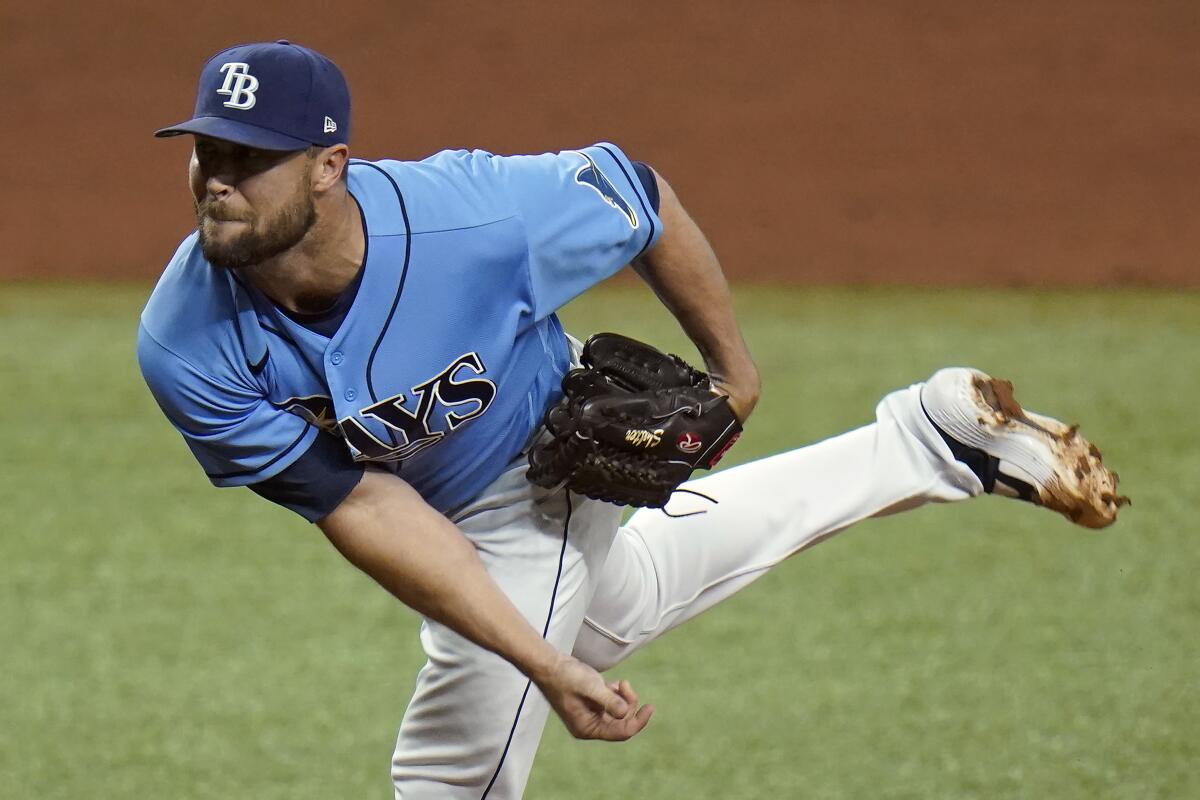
{"x": 930, "y": 141}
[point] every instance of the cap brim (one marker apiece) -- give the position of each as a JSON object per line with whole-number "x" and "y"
{"x": 237, "y": 132}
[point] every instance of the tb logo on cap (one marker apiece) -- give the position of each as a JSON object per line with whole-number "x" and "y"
{"x": 239, "y": 84}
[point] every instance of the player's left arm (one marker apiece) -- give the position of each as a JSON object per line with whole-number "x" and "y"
{"x": 684, "y": 272}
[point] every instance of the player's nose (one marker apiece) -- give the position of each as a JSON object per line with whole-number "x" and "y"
{"x": 218, "y": 175}
{"x": 218, "y": 185}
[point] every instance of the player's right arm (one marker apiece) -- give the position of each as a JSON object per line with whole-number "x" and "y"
{"x": 382, "y": 526}
{"x": 389, "y": 532}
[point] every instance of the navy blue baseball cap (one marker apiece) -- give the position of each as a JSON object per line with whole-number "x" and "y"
{"x": 270, "y": 95}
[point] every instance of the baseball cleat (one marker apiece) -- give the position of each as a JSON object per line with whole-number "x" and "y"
{"x": 1017, "y": 453}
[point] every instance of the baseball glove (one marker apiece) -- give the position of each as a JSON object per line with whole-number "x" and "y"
{"x": 633, "y": 424}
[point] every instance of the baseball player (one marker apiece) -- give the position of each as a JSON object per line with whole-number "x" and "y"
{"x": 374, "y": 345}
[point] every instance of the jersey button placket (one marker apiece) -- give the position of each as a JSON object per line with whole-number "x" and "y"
{"x": 335, "y": 359}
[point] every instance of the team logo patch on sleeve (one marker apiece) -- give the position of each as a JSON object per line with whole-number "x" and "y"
{"x": 316, "y": 409}
{"x": 590, "y": 175}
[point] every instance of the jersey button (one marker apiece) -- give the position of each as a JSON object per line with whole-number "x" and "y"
{"x": 336, "y": 358}
{"x": 351, "y": 394}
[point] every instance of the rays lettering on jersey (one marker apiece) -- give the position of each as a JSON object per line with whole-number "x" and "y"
{"x": 416, "y": 428}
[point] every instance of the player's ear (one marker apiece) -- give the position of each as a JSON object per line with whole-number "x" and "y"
{"x": 328, "y": 166}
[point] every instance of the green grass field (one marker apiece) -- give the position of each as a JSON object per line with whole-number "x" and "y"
{"x": 163, "y": 639}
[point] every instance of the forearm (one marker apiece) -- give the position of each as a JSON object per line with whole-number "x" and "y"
{"x": 389, "y": 532}
{"x": 685, "y": 273}
{"x": 386, "y": 530}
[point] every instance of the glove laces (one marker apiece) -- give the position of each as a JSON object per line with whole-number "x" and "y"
{"x": 690, "y": 513}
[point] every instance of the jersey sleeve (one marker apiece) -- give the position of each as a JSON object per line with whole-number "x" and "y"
{"x": 235, "y": 433}
{"x": 586, "y": 215}
{"x": 317, "y": 482}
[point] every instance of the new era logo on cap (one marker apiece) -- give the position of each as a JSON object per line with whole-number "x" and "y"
{"x": 270, "y": 95}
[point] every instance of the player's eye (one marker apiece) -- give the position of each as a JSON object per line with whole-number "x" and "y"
{"x": 259, "y": 159}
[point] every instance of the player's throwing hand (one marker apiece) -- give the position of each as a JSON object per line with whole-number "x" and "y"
{"x": 590, "y": 708}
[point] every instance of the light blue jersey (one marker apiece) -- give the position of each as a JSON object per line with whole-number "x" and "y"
{"x": 450, "y": 353}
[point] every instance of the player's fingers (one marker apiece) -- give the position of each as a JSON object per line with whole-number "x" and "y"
{"x": 626, "y": 700}
{"x": 609, "y": 700}
{"x": 588, "y": 688}
{"x": 625, "y": 689}
{"x": 620, "y": 730}
{"x": 638, "y": 720}
{"x": 615, "y": 706}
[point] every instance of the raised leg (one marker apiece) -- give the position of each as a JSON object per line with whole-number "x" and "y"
{"x": 662, "y": 571}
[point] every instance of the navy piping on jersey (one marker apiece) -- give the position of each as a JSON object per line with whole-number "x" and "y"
{"x": 545, "y": 632}
{"x": 403, "y": 277}
{"x": 649, "y": 183}
{"x": 326, "y": 323}
{"x": 642, "y": 203}
{"x": 243, "y": 473}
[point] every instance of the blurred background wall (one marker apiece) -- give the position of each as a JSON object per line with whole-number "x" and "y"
{"x": 923, "y": 142}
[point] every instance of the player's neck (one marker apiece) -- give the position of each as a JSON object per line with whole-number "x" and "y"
{"x": 308, "y": 278}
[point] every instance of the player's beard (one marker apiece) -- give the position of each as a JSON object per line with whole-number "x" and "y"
{"x": 264, "y": 238}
